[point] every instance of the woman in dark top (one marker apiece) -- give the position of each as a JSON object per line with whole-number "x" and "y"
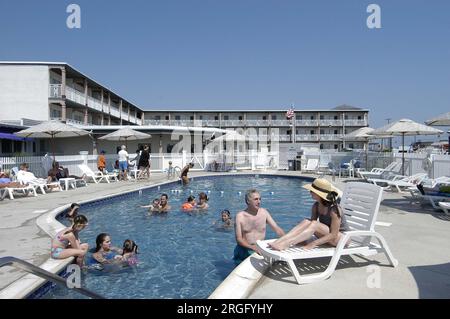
{"x": 144, "y": 162}
{"x": 327, "y": 220}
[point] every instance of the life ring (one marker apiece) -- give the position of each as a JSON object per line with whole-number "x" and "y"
{"x": 427, "y": 164}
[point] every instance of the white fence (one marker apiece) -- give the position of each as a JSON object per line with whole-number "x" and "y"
{"x": 414, "y": 162}
{"x": 40, "y": 165}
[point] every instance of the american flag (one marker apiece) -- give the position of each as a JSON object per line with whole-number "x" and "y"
{"x": 290, "y": 113}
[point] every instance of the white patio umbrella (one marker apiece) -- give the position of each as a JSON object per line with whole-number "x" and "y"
{"x": 405, "y": 127}
{"x": 441, "y": 120}
{"x": 52, "y": 129}
{"x": 364, "y": 134}
{"x": 125, "y": 134}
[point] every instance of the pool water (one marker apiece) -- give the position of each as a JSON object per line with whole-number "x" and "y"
{"x": 182, "y": 255}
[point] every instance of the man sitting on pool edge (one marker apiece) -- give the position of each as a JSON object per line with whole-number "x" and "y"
{"x": 250, "y": 226}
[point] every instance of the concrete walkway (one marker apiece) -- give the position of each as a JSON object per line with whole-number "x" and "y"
{"x": 418, "y": 237}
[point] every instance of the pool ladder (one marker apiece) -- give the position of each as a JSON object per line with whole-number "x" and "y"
{"x": 26, "y": 266}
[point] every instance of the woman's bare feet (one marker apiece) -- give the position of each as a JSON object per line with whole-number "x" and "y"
{"x": 278, "y": 245}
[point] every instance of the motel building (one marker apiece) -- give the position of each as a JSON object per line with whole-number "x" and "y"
{"x": 32, "y": 92}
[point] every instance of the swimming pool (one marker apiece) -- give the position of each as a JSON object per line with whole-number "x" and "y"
{"x": 182, "y": 255}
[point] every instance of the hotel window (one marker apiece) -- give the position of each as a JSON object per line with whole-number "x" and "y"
{"x": 177, "y": 117}
{"x": 322, "y": 117}
{"x": 201, "y": 117}
{"x": 336, "y": 132}
{"x": 158, "y": 117}
{"x": 6, "y": 146}
{"x": 296, "y": 132}
{"x": 359, "y": 117}
{"x": 192, "y": 118}
{"x": 335, "y": 117}
{"x": 216, "y": 118}
{"x": 312, "y": 117}
{"x": 226, "y": 117}
{"x": 240, "y": 118}
{"x": 299, "y": 117}
{"x": 321, "y": 146}
{"x": 274, "y": 117}
{"x": 346, "y": 117}
{"x": 264, "y": 118}
{"x": 167, "y": 117}
{"x": 336, "y": 146}
{"x": 351, "y": 145}
{"x": 312, "y": 132}
{"x": 322, "y": 131}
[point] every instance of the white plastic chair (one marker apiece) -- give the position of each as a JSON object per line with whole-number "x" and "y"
{"x": 97, "y": 177}
{"x": 360, "y": 203}
{"x": 312, "y": 165}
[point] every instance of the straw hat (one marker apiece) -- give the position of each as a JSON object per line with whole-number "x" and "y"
{"x": 322, "y": 188}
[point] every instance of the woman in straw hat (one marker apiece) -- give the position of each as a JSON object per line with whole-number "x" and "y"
{"x": 327, "y": 220}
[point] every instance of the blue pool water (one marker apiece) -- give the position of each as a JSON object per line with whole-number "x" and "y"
{"x": 182, "y": 255}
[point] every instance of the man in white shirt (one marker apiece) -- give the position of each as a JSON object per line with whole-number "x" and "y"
{"x": 123, "y": 163}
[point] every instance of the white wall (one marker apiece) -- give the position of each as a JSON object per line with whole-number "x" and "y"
{"x": 24, "y": 92}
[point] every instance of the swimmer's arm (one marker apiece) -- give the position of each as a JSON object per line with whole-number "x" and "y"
{"x": 146, "y": 206}
{"x": 277, "y": 229}
{"x": 117, "y": 250}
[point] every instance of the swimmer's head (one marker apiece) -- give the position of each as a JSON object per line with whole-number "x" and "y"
{"x": 252, "y": 196}
{"x": 191, "y": 199}
{"x": 203, "y": 197}
{"x": 129, "y": 246}
{"x": 191, "y": 165}
{"x": 226, "y": 215}
{"x": 103, "y": 240}
{"x": 79, "y": 222}
{"x": 156, "y": 201}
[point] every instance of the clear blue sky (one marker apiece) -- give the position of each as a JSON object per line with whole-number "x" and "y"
{"x": 247, "y": 54}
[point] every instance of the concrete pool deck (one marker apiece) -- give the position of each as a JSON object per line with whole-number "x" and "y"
{"x": 418, "y": 237}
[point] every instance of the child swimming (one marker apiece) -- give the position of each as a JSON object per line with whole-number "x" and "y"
{"x": 129, "y": 252}
{"x": 189, "y": 205}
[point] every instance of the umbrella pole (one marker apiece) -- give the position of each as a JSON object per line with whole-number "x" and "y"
{"x": 403, "y": 154}
{"x": 367, "y": 155}
{"x": 53, "y": 148}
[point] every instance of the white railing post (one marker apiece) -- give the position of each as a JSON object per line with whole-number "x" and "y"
{"x": 252, "y": 159}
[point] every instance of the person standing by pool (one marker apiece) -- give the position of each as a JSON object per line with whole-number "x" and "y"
{"x": 144, "y": 162}
{"x": 101, "y": 162}
{"x": 327, "y": 220}
{"x": 250, "y": 226}
{"x": 67, "y": 244}
{"x": 123, "y": 163}
{"x": 184, "y": 173}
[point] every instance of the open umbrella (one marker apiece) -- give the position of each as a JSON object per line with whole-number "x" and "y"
{"x": 441, "y": 120}
{"x": 125, "y": 134}
{"x": 363, "y": 134}
{"x": 52, "y": 129}
{"x": 405, "y": 127}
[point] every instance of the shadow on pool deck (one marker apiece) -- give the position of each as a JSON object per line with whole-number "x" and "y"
{"x": 429, "y": 280}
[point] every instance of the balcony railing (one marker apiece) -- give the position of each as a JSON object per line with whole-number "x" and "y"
{"x": 284, "y": 138}
{"x": 54, "y": 91}
{"x": 281, "y": 123}
{"x": 307, "y": 137}
{"x": 75, "y": 96}
{"x": 355, "y": 123}
{"x": 212, "y": 123}
{"x": 331, "y": 137}
{"x": 115, "y": 112}
{"x": 235, "y": 123}
{"x": 257, "y": 123}
{"x": 95, "y": 104}
{"x": 330, "y": 122}
{"x": 307, "y": 123}
{"x": 156, "y": 122}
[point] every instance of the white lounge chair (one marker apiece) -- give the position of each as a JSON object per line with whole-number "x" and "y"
{"x": 97, "y": 177}
{"x": 360, "y": 203}
{"x": 10, "y": 191}
{"x": 392, "y": 169}
{"x": 399, "y": 182}
{"x": 445, "y": 207}
{"x": 312, "y": 165}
